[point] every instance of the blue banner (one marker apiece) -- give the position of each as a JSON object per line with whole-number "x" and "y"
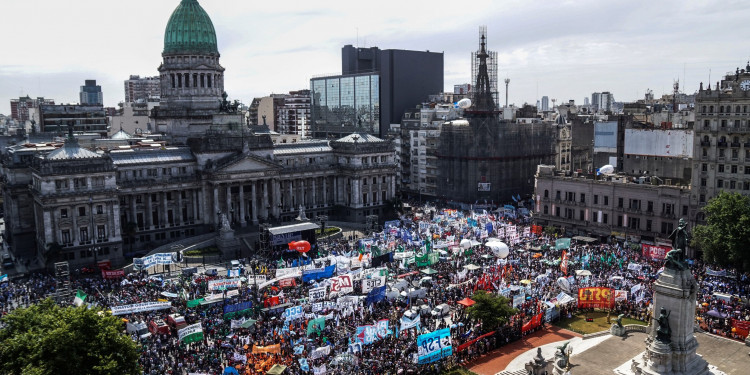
{"x": 238, "y": 307}
{"x": 318, "y": 274}
{"x": 293, "y": 312}
{"x": 392, "y": 224}
{"x": 434, "y": 345}
{"x": 375, "y": 295}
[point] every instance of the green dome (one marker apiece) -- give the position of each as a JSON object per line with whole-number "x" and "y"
{"x": 190, "y": 31}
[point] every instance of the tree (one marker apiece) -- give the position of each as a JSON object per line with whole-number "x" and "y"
{"x": 48, "y": 339}
{"x": 491, "y": 309}
{"x": 725, "y": 239}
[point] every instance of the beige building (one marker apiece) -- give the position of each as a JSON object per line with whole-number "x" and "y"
{"x": 619, "y": 206}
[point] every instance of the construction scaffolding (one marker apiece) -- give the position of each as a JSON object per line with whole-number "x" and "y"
{"x": 264, "y": 241}
{"x": 63, "y": 293}
{"x": 491, "y": 66}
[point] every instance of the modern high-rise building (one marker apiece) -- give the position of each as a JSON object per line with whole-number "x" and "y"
{"x": 137, "y": 87}
{"x": 545, "y": 104}
{"x": 83, "y": 118}
{"x": 375, "y": 88}
{"x": 602, "y": 101}
{"x": 293, "y": 115}
{"x": 19, "y": 108}
{"x": 91, "y": 93}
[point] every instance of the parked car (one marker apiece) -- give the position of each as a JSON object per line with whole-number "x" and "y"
{"x": 440, "y": 310}
{"x": 138, "y": 328}
{"x": 210, "y": 272}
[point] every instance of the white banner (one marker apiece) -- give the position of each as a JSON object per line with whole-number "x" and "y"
{"x": 154, "y": 259}
{"x": 224, "y": 284}
{"x": 240, "y": 357}
{"x": 621, "y": 295}
{"x": 317, "y": 293}
{"x": 318, "y": 306}
{"x": 370, "y": 284}
{"x": 140, "y": 307}
{"x": 257, "y": 279}
{"x": 292, "y": 271}
{"x": 342, "y": 284}
{"x": 189, "y": 330}
{"x": 634, "y": 267}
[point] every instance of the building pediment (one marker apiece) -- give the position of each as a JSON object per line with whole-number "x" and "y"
{"x": 248, "y": 163}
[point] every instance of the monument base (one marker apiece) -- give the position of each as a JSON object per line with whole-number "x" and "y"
{"x": 639, "y": 366}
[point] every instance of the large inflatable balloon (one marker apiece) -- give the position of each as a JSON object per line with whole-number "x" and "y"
{"x": 564, "y": 284}
{"x": 607, "y": 169}
{"x": 465, "y": 243}
{"x": 499, "y": 249}
{"x": 301, "y": 246}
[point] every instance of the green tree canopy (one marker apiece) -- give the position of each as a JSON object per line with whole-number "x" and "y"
{"x": 491, "y": 309}
{"x": 725, "y": 239}
{"x": 48, "y": 339}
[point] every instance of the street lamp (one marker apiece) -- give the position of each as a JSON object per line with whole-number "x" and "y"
{"x": 569, "y": 351}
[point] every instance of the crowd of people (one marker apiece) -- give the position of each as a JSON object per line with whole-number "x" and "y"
{"x": 424, "y": 261}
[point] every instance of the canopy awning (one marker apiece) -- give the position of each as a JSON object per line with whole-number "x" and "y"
{"x": 429, "y": 271}
{"x": 466, "y": 302}
{"x": 583, "y": 273}
{"x": 472, "y": 267}
{"x": 585, "y": 239}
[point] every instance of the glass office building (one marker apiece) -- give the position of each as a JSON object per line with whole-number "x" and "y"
{"x": 345, "y": 104}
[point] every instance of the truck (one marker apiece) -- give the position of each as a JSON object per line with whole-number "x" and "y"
{"x": 138, "y": 328}
{"x": 157, "y": 326}
{"x": 176, "y": 322}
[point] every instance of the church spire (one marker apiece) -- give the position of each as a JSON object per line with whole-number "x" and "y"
{"x": 483, "y": 100}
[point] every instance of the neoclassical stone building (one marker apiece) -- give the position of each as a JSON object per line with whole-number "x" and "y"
{"x": 64, "y": 201}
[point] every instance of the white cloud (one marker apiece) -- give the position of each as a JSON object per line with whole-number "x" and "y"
{"x": 566, "y": 49}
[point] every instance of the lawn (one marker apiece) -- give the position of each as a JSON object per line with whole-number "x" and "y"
{"x": 579, "y": 324}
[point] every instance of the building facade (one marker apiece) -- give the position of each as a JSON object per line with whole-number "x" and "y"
{"x": 618, "y": 206}
{"x": 67, "y": 202}
{"x": 19, "y": 108}
{"x": 91, "y": 93}
{"x": 294, "y": 115}
{"x": 55, "y": 118}
{"x": 374, "y": 90}
{"x": 137, "y": 87}
{"x": 722, "y": 139}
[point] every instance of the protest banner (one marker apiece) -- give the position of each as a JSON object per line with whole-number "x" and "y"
{"x": 342, "y": 284}
{"x": 224, "y": 284}
{"x": 107, "y": 274}
{"x": 191, "y": 333}
{"x": 140, "y": 307}
{"x": 535, "y": 321}
{"x": 370, "y": 284}
{"x": 655, "y": 252}
{"x": 318, "y": 293}
{"x": 596, "y": 297}
{"x": 237, "y": 307}
{"x": 434, "y": 346}
{"x": 621, "y": 295}
{"x": 268, "y": 349}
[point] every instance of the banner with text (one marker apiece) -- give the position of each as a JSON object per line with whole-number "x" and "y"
{"x": 655, "y": 252}
{"x": 434, "y": 345}
{"x": 596, "y": 297}
{"x": 140, "y": 307}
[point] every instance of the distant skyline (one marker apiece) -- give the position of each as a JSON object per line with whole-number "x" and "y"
{"x": 564, "y": 50}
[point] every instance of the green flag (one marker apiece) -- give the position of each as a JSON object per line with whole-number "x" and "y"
{"x": 80, "y": 297}
{"x": 194, "y": 302}
{"x": 316, "y": 325}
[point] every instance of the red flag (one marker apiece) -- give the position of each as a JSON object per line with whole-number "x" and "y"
{"x": 564, "y": 263}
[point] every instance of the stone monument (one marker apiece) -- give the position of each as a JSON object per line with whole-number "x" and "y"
{"x": 226, "y": 242}
{"x": 561, "y": 363}
{"x": 617, "y": 328}
{"x": 671, "y": 344}
{"x": 537, "y": 366}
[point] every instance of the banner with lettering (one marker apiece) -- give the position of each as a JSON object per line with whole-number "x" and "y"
{"x": 621, "y": 295}
{"x": 368, "y": 334}
{"x": 224, "y": 284}
{"x": 434, "y": 345}
{"x": 140, "y": 307}
{"x": 374, "y": 282}
{"x": 596, "y": 297}
{"x": 269, "y": 349}
{"x": 294, "y": 312}
{"x": 238, "y": 307}
{"x": 342, "y": 284}
{"x": 191, "y": 333}
{"x": 655, "y": 252}
{"x": 154, "y": 259}
{"x": 317, "y": 293}
{"x": 106, "y": 274}
{"x": 317, "y": 274}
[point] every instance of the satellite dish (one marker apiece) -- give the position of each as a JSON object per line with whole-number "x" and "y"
{"x": 607, "y": 169}
{"x": 464, "y": 103}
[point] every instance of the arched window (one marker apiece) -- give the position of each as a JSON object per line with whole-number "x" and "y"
{"x": 721, "y": 109}
{"x": 737, "y": 109}
{"x": 546, "y": 193}
{"x": 711, "y": 109}
{"x": 703, "y": 109}
{"x": 705, "y": 138}
{"x": 546, "y": 209}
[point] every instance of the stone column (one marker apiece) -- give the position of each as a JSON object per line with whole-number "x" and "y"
{"x": 194, "y": 204}
{"x": 228, "y": 212}
{"x": 48, "y": 238}
{"x": 179, "y": 208}
{"x": 164, "y": 209}
{"x": 215, "y": 217}
{"x": 116, "y": 231}
{"x": 276, "y": 197}
{"x": 325, "y": 191}
{"x": 133, "y": 214}
{"x": 243, "y": 223}
{"x": 148, "y": 217}
{"x": 314, "y": 203}
{"x": 254, "y": 207}
{"x": 264, "y": 204}
{"x": 291, "y": 195}
{"x": 301, "y": 192}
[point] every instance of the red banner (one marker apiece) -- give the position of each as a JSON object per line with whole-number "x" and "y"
{"x": 106, "y": 274}
{"x": 742, "y": 327}
{"x": 536, "y": 229}
{"x": 287, "y": 283}
{"x": 536, "y": 321}
{"x": 564, "y": 263}
{"x": 596, "y": 297}
{"x": 465, "y": 345}
{"x": 269, "y": 302}
{"x": 655, "y": 252}
{"x": 104, "y": 264}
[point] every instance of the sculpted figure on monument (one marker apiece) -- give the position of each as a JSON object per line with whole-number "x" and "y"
{"x": 664, "y": 333}
{"x": 676, "y": 257}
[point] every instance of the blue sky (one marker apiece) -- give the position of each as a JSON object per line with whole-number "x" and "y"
{"x": 562, "y": 49}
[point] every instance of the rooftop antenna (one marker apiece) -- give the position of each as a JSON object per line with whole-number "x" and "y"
{"x": 358, "y": 37}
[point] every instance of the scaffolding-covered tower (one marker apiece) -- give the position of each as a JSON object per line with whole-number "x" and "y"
{"x": 491, "y": 61}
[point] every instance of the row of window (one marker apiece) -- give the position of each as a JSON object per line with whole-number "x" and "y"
{"x": 722, "y": 153}
{"x": 632, "y": 223}
{"x": 79, "y": 183}
{"x": 152, "y": 172}
{"x": 85, "y": 254}
{"x": 83, "y": 234}
{"x": 99, "y": 209}
{"x": 198, "y": 80}
{"x": 633, "y": 204}
{"x": 723, "y": 109}
{"x": 724, "y": 123}
{"x": 154, "y": 197}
